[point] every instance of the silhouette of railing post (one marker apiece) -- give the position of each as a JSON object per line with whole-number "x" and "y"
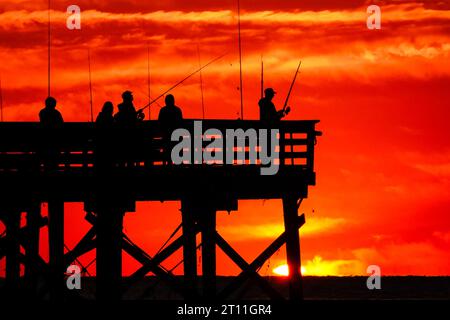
{"x": 290, "y": 211}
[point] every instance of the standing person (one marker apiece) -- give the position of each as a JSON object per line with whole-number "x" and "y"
{"x": 169, "y": 118}
{"x": 127, "y": 118}
{"x": 267, "y": 111}
{"x": 49, "y": 116}
{"x": 50, "y": 119}
{"x": 104, "y": 140}
{"x": 105, "y": 117}
{"x": 127, "y": 115}
{"x": 170, "y": 114}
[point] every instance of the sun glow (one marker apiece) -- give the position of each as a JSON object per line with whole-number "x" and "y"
{"x": 321, "y": 268}
{"x": 283, "y": 270}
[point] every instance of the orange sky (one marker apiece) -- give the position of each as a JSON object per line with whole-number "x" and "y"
{"x": 383, "y": 164}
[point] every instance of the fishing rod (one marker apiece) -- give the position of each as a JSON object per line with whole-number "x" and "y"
{"x": 178, "y": 83}
{"x": 241, "y": 89}
{"x": 90, "y": 86}
{"x": 146, "y": 95}
{"x": 148, "y": 82}
{"x": 1, "y": 100}
{"x": 262, "y": 77}
{"x": 201, "y": 81}
{"x": 290, "y": 89}
{"x": 48, "y": 49}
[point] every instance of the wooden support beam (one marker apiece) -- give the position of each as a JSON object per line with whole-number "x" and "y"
{"x": 12, "y": 223}
{"x": 33, "y": 226}
{"x": 258, "y": 262}
{"x": 86, "y": 244}
{"x": 56, "y": 248}
{"x": 159, "y": 258}
{"x": 290, "y": 212}
{"x": 138, "y": 254}
{"x": 189, "y": 250}
{"x": 241, "y": 263}
{"x": 109, "y": 253}
{"x": 208, "y": 227}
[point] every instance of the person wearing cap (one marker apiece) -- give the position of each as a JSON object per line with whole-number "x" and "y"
{"x": 267, "y": 111}
{"x": 127, "y": 142}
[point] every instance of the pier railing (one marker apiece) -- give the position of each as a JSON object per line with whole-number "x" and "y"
{"x": 75, "y": 147}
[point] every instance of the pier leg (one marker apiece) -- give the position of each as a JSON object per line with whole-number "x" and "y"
{"x": 189, "y": 251}
{"x": 208, "y": 225}
{"x": 56, "y": 248}
{"x": 293, "y": 247}
{"x": 109, "y": 254}
{"x": 32, "y": 249}
{"x": 12, "y": 254}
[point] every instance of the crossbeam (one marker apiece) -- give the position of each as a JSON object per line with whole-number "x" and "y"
{"x": 249, "y": 270}
{"x": 241, "y": 263}
{"x": 88, "y": 243}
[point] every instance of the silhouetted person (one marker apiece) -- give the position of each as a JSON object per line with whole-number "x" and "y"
{"x": 267, "y": 111}
{"x": 105, "y": 139}
{"x": 127, "y": 115}
{"x": 170, "y": 115}
{"x": 127, "y": 118}
{"x": 169, "y": 119}
{"x": 105, "y": 117}
{"x": 49, "y": 116}
{"x": 50, "y": 119}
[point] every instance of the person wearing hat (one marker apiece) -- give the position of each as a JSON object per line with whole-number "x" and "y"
{"x": 267, "y": 111}
{"x": 127, "y": 118}
{"x": 127, "y": 114}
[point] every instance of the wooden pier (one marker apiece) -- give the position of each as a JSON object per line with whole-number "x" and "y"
{"x": 109, "y": 170}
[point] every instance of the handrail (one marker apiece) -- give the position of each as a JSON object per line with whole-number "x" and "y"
{"x": 23, "y": 144}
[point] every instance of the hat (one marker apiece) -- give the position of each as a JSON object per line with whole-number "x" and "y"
{"x": 269, "y": 90}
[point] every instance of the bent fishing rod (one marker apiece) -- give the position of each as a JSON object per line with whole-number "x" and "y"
{"x": 178, "y": 83}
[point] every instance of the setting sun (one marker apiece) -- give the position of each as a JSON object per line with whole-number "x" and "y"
{"x": 321, "y": 267}
{"x": 283, "y": 270}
